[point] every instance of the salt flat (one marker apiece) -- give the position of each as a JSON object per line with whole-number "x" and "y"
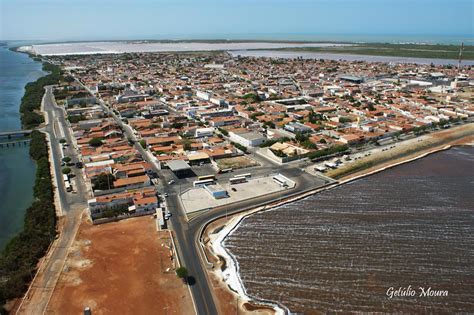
{"x": 85, "y": 48}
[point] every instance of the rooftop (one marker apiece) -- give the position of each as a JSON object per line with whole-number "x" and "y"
{"x": 178, "y": 165}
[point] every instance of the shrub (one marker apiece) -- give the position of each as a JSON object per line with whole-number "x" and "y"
{"x": 34, "y": 91}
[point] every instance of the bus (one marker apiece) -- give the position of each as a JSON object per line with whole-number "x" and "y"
{"x": 281, "y": 181}
{"x": 246, "y": 175}
{"x": 204, "y": 177}
{"x": 199, "y": 183}
{"x": 237, "y": 180}
{"x": 225, "y": 170}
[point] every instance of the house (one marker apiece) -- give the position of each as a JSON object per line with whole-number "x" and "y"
{"x": 143, "y": 204}
{"x": 132, "y": 182}
{"x": 99, "y": 204}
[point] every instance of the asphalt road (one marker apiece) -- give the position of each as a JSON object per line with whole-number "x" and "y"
{"x": 188, "y": 233}
{"x": 72, "y": 204}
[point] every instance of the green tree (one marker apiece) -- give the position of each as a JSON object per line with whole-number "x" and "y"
{"x": 177, "y": 125}
{"x": 95, "y": 142}
{"x": 187, "y": 145}
{"x": 66, "y": 159}
{"x": 66, "y": 170}
{"x": 62, "y": 140}
{"x": 300, "y": 137}
{"x": 103, "y": 182}
{"x": 224, "y": 132}
{"x": 143, "y": 143}
{"x": 182, "y": 273}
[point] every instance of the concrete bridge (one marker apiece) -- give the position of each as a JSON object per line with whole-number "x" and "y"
{"x": 15, "y": 143}
{"x": 15, "y": 134}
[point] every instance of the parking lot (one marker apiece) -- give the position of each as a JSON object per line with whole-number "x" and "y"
{"x": 198, "y": 199}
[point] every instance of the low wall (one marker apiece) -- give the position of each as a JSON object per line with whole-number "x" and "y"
{"x": 122, "y": 217}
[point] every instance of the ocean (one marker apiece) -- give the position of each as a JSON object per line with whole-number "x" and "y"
{"x": 345, "y": 250}
{"x": 17, "y": 170}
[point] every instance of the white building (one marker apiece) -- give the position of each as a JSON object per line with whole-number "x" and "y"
{"x": 203, "y": 95}
{"x": 204, "y": 132}
{"x": 247, "y": 139}
{"x": 216, "y": 191}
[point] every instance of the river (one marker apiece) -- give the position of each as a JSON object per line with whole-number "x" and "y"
{"x": 343, "y": 250}
{"x": 17, "y": 169}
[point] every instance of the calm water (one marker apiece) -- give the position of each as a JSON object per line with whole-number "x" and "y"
{"x": 346, "y": 57}
{"x": 17, "y": 170}
{"x": 341, "y": 250}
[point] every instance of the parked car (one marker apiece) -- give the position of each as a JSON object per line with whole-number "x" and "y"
{"x": 171, "y": 182}
{"x": 79, "y": 165}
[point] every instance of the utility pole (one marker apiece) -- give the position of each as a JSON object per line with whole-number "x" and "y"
{"x": 460, "y": 57}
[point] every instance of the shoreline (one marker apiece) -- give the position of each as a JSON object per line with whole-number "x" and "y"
{"x": 44, "y": 190}
{"x": 231, "y": 274}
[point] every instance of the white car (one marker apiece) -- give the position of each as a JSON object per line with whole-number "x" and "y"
{"x": 171, "y": 182}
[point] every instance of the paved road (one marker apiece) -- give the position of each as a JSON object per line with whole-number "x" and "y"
{"x": 72, "y": 205}
{"x": 187, "y": 233}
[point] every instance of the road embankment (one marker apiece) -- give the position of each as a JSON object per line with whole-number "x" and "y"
{"x": 405, "y": 151}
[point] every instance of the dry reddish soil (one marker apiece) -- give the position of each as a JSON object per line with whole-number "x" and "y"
{"x": 120, "y": 268}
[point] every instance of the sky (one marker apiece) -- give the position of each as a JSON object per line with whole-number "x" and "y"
{"x": 57, "y": 20}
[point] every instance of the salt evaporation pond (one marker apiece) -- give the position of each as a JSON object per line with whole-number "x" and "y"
{"x": 289, "y": 54}
{"x": 341, "y": 250}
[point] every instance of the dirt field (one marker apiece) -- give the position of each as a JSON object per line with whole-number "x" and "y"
{"x": 120, "y": 268}
{"x": 236, "y": 162}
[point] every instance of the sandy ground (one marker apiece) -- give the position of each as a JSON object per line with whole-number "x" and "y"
{"x": 120, "y": 268}
{"x": 236, "y": 162}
